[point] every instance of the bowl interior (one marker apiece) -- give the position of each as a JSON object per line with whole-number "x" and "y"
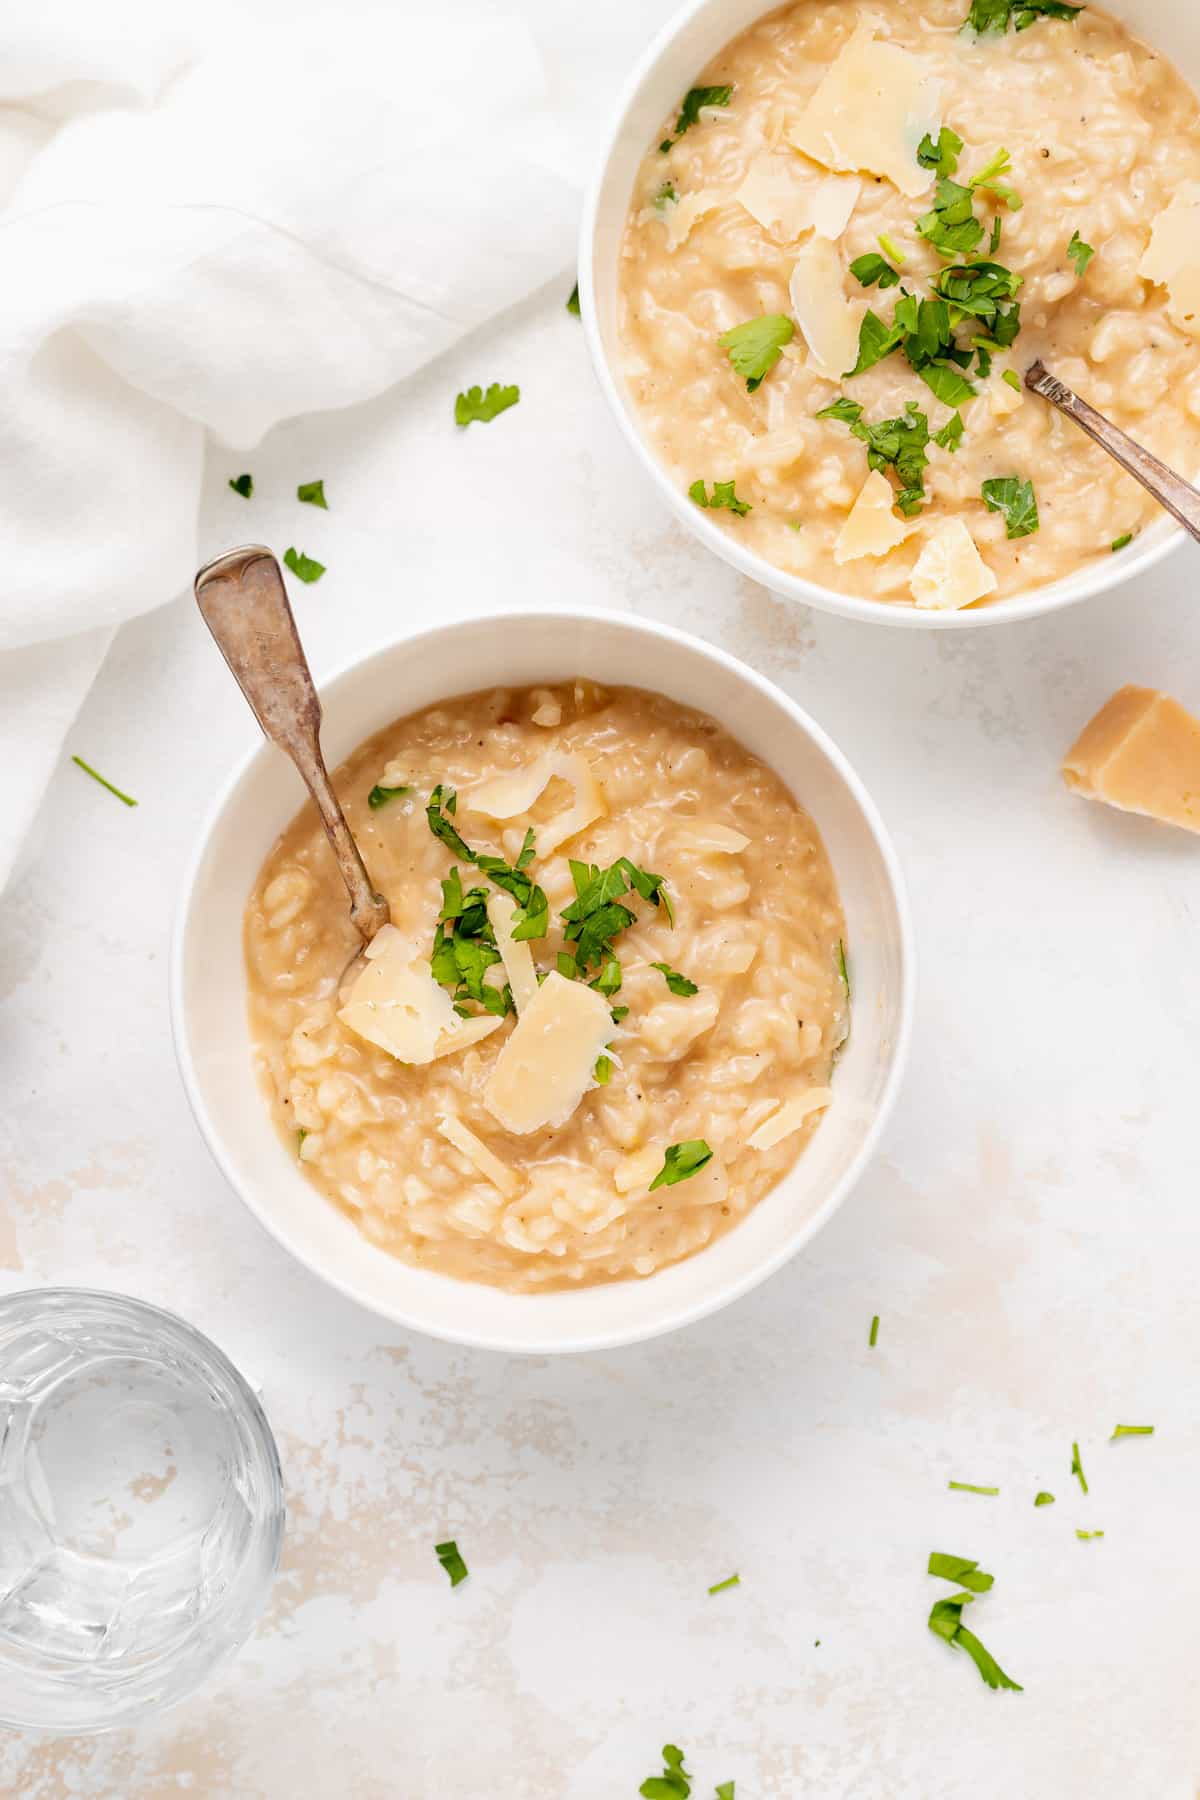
{"x": 208, "y": 983}
{"x": 669, "y": 67}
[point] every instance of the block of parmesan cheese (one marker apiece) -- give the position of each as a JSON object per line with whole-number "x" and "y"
{"x": 1141, "y": 753}
{"x": 871, "y": 528}
{"x": 547, "y": 1065}
{"x": 1172, "y": 257}
{"x": 871, "y": 110}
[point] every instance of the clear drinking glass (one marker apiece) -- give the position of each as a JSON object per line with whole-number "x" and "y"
{"x": 141, "y": 1509}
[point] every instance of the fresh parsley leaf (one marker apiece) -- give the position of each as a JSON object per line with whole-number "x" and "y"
{"x": 968, "y": 1487}
{"x": 722, "y": 495}
{"x": 1120, "y": 1431}
{"x": 996, "y": 15}
{"x": 1000, "y": 164}
{"x": 950, "y": 225}
{"x": 847, "y": 412}
{"x": 566, "y": 965}
{"x": 873, "y": 269}
{"x": 1042, "y": 1498}
{"x": 875, "y": 341}
{"x": 694, "y": 101}
{"x": 666, "y": 196}
{"x": 533, "y": 919}
{"x": 125, "y": 799}
{"x": 1086, "y": 1536}
{"x": 379, "y": 796}
{"x": 982, "y": 290}
{"x": 1080, "y": 253}
{"x": 674, "y": 1783}
{"x": 573, "y": 300}
{"x": 1012, "y": 378}
{"x": 942, "y": 156}
{"x": 619, "y": 1013}
{"x": 997, "y": 229}
{"x": 300, "y": 1137}
{"x": 243, "y": 485}
{"x": 473, "y": 958}
{"x": 945, "y": 382}
{"x": 754, "y": 347}
{"x": 1016, "y": 500}
{"x": 596, "y": 931}
{"x": 873, "y": 1339}
{"x": 442, "y": 802}
{"x": 678, "y": 984}
{"x": 477, "y": 407}
{"x": 608, "y": 981}
{"x": 313, "y": 494}
{"x": 602, "y": 1072}
{"x": 719, "y": 1587}
{"x": 896, "y": 444}
{"x": 843, "y": 972}
{"x": 651, "y": 887}
{"x": 306, "y": 568}
{"x": 682, "y": 1160}
{"x": 950, "y": 436}
{"x": 1077, "y": 1467}
{"x": 725, "y": 1790}
{"x": 891, "y": 249}
{"x": 450, "y": 1559}
{"x": 1125, "y": 538}
{"x": 989, "y": 15}
{"x": 946, "y": 1620}
{"x": 958, "y": 1568}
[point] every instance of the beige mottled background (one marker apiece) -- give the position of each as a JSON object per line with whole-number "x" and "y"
{"x": 1029, "y": 1235}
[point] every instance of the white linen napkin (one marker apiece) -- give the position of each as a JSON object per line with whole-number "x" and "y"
{"x": 208, "y": 234}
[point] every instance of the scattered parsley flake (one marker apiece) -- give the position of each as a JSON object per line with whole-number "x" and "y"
{"x": 950, "y": 436}
{"x": 945, "y": 1620}
{"x": 442, "y": 802}
{"x": 1043, "y": 1498}
{"x": 1016, "y": 500}
{"x": 450, "y": 1559}
{"x": 379, "y": 796}
{"x": 125, "y": 799}
{"x": 678, "y": 984}
{"x": 603, "y": 1070}
{"x": 682, "y": 1160}
{"x": 305, "y": 568}
{"x": 674, "y": 1783}
{"x": 950, "y": 225}
{"x": 1086, "y": 1536}
{"x": 730, "y": 1581}
{"x": 1120, "y": 543}
{"x": 875, "y": 341}
{"x": 313, "y": 494}
{"x": 891, "y": 249}
{"x": 1012, "y": 378}
{"x": 1077, "y": 1467}
{"x": 694, "y": 102}
{"x": 874, "y": 1337}
{"x": 1120, "y": 1431}
{"x": 300, "y": 1137}
{"x": 872, "y": 269}
{"x": 959, "y": 1569}
{"x": 755, "y": 346}
{"x": 943, "y": 155}
{"x": 1080, "y": 254}
{"x": 573, "y": 300}
{"x": 243, "y": 485}
{"x": 722, "y": 495}
{"x": 1000, "y": 164}
{"x": 666, "y": 196}
{"x": 841, "y": 966}
{"x": 996, "y": 15}
{"x": 967, "y": 1487}
{"x": 477, "y": 407}
{"x": 725, "y": 1790}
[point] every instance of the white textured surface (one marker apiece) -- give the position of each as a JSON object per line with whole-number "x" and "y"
{"x": 1029, "y": 1235}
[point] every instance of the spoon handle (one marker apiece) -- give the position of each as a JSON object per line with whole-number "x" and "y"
{"x": 245, "y": 605}
{"x": 1179, "y": 497}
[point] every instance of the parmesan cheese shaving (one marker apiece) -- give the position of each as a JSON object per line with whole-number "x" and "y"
{"x": 680, "y": 216}
{"x": 871, "y": 528}
{"x": 827, "y": 319}
{"x": 516, "y": 957}
{"x": 396, "y": 1005}
{"x": 638, "y": 1170}
{"x": 950, "y": 572}
{"x": 695, "y": 834}
{"x": 870, "y": 112}
{"x": 511, "y": 796}
{"x": 787, "y": 196}
{"x": 789, "y": 1118}
{"x": 477, "y": 1152}
{"x": 1172, "y": 257}
{"x": 547, "y": 1065}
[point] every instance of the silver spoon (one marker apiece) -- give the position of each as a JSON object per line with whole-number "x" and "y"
{"x": 1179, "y": 497}
{"x": 245, "y": 605}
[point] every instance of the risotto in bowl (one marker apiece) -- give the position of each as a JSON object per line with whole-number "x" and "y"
{"x": 637, "y": 1019}
{"x": 827, "y": 241}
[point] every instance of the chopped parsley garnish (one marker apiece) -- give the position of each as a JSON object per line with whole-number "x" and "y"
{"x": 1086, "y": 1536}
{"x": 891, "y": 249}
{"x": 674, "y": 1783}
{"x": 1042, "y": 1498}
{"x": 1080, "y": 253}
{"x": 300, "y": 1137}
{"x": 678, "y": 984}
{"x": 603, "y": 1070}
{"x": 608, "y": 981}
{"x": 968, "y": 1487}
{"x": 872, "y": 269}
{"x": 597, "y": 914}
{"x": 694, "y": 101}
{"x": 950, "y": 436}
{"x": 985, "y": 291}
{"x": 847, "y": 412}
{"x": 946, "y": 1621}
{"x": 958, "y": 1568}
{"x": 1125, "y": 538}
{"x": 477, "y": 407}
{"x": 1016, "y": 500}
{"x": 996, "y": 15}
{"x": 722, "y": 495}
{"x": 875, "y": 341}
{"x": 306, "y": 568}
{"x": 874, "y": 1337}
{"x": 666, "y": 196}
{"x": 442, "y": 802}
{"x": 843, "y": 971}
{"x": 1012, "y": 378}
{"x": 682, "y": 1160}
{"x": 313, "y": 494}
{"x": 942, "y": 156}
{"x": 243, "y": 485}
{"x": 1077, "y": 1467}
{"x": 573, "y": 300}
{"x": 895, "y": 444}
{"x": 754, "y": 347}
{"x": 1120, "y": 1431}
{"x": 719, "y": 1587}
{"x": 725, "y": 1790}
{"x": 1000, "y": 164}
{"x": 125, "y": 799}
{"x": 950, "y": 225}
{"x": 379, "y": 796}
{"x": 450, "y": 1559}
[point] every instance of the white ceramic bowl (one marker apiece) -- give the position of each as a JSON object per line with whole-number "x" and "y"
{"x": 208, "y": 988}
{"x": 666, "y": 71}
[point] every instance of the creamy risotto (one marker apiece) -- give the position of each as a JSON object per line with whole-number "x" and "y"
{"x": 603, "y": 1022}
{"x": 858, "y": 230}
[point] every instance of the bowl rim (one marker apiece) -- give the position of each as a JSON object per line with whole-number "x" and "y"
{"x": 1030, "y": 603}
{"x": 690, "y": 1311}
